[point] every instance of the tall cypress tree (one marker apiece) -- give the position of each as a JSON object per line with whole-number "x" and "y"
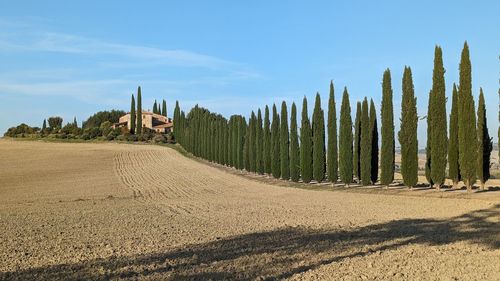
{"x": 259, "y": 144}
{"x": 139, "y": 112}
{"x": 439, "y": 141}
{"x": 155, "y": 107}
{"x": 275, "y": 142}
{"x": 387, "y": 151}
{"x": 453, "y": 167}
{"x": 408, "y": 133}
{"x": 294, "y": 147}
{"x": 428, "y": 150}
{"x": 357, "y": 143}
{"x": 332, "y": 153}
{"x": 267, "y": 142}
{"x": 366, "y": 146}
{"x": 177, "y": 127}
{"x": 485, "y": 146}
{"x": 164, "y": 108}
{"x": 284, "y": 143}
{"x": 467, "y": 141}
{"x": 132, "y": 115}
{"x": 306, "y": 151}
{"x": 44, "y": 126}
{"x": 318, "y": 127}
{"x": 345, "y": 141}
{"x": 374, "y": 142}
{"x": 252, "y": 142}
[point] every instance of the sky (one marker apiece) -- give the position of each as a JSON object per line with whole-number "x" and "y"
{"x": 74, "y": 58}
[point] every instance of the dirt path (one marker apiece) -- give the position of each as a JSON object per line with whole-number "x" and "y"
{"x": 112, "y": 211}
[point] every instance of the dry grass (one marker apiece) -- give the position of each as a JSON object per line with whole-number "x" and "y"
{"x": 111, "y": 211}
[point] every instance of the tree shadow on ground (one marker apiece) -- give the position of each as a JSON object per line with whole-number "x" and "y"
{"x": 279, "y": 253}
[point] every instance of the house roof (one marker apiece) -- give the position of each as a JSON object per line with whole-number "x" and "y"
{"x": 166, "y": 125}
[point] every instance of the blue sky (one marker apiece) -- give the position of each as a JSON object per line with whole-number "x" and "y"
{"x": 73, "y": 58}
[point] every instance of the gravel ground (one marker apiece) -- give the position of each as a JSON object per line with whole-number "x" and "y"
{"x": 114, "y": 211}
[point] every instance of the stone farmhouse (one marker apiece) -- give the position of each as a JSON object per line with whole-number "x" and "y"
{"x": 150, "y": 120}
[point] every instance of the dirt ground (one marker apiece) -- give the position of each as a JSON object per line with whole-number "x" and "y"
{"x": 116, "y": 211}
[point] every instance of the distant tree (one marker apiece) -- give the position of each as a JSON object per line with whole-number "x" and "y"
{"x": 164, "y": 108}
{"x": 259, "y": 144}
{"x": 133, "y": 115}
{"x": 159, "y": 110}
{"x": 306, "y": 151}
{"x": 139, "y": 112}
{"x": 318, "y": 126}
{"x": 408, "y": 133}
{"x": 439, "y": 140}
{"x": 267, "y": 142}
{"x": 275, "y": 140}
{"x": 366, "y": 146}
{"x": 74, "y": 122}
{"x": 345, "y": 141}
{"x": 98, "y": 118}
{"x": 453, "y": 166}
{"x": 155, "y": 108}
{"x": 44, "y": 126}
{"x": 467, "y": 142}
{"x": 485, "y": 145}
{"x": 387, "y": 151}
{"x": 294, "y": 147}
{"x": 374, "y": 142}
{"x": 284, "y": 143}
{"x": 55, "y": 123}
{"x": 332, "y": 153}
{"x": 357, "y": 143}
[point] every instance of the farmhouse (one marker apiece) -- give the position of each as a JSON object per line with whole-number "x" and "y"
{"x": 150, "y": 120}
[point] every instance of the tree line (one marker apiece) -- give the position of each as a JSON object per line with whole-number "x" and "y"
{"x": 272, "y": 143}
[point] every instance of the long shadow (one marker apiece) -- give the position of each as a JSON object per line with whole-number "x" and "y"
{"x": 279, "y": 253}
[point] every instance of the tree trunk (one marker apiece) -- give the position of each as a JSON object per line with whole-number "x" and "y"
{"x": 469, "y": 186}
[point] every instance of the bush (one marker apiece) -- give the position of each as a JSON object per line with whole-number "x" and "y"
{"x": 21, "y": 131}
{"x": 170, "y": 138}
{"x": 100, "y": 117}
{"x": 131, "y": 137}
{"x": 159, "y": 138}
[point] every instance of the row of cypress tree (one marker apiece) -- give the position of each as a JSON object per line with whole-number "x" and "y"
{"x": 270, "y": 145}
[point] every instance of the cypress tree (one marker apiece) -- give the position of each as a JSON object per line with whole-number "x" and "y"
{"x": 259, "y": 144}
{"x": 252, "y": 142}
{"x": 345, "y": 141}
{"x": 164, "y": 108}
{"x": 267, "y": 142}
{"x": 242, "y": 125}
{"x": 365, "y": 145}
{"x": 306, "y": 151}
{"x": 387, "y": 153}
{"x": 467, "y": 142}
{"x": 453, "y": 167}
{"x": 74, "y": 122}
{"x": 138, "y": 127}
{"x": 408, "y": 133}
{"x": 485, "y": 146}
{"x": 373, "y": 142}
{"x": 357, "y": 143}
{"x": 428, "y": 149}
{"x": 155, "y": 108}
{"x": 159, "y": 109}
{"x": 284, "y": 143}
{"x": 275, "y": 142}
{"x": 332, "y": 154}
{"x": 294, "y": 147}
{"x": 44, "y": 126}
{"x": 498, "y": 143}
{"x": 439, "y": 141}
{"x": 247, "y": 145}
{"x": 177, "y": 127}
{"x": 132, "y": 115}
{"x": 318, "y": 126}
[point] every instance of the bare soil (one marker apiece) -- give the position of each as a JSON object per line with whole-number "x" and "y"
{"x": 115, "y": 211}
